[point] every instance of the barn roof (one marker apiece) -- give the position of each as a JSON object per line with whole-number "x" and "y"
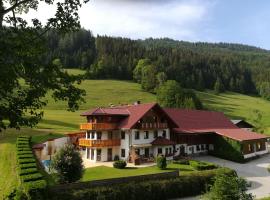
{"x": 197, "y": 121}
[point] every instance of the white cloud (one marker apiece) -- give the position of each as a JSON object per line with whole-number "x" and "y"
{"x": 141, "y": 19}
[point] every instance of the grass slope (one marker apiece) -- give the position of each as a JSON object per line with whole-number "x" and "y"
{"x": 238, "y": 106}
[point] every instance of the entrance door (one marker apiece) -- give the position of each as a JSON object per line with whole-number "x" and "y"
{"x": 98, "y": 154}
{"x": 109, "y": 154}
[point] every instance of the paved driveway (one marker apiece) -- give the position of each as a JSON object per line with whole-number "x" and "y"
{"x": 254, "y": 171}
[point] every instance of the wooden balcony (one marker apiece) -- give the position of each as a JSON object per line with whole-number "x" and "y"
{"x": 98, "y": 126}
{"x": 154, "y": 125}
{"x": 99, "y": 143}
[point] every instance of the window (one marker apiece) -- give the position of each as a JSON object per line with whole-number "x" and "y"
{"x": 110, "y": 135}
{"x": 249, "y": 148}
{"x": 123, "y": 135}
{"x": 155, "y": 133}
{"x": 164, "y": 133}
{"x": 137, "y": 135}
{"x": 166, "y": 151}
{"x": 99, "y": 134}
{"x": 202, "y": 147}
{"x": 159, "y": 150}
{"x": 146, "y": 135}
{"x": 98, "y": 154}
{"x": 198, "y": 147}
{"x": 88, "y": 135}
{"x": 170, "y": 150}
{"x": 92, "y": 135}
{"x": 259, "y": 145}
{"x": 123, "y": 153}
{"x": 137, "y": 151}
{"x": 92, "y": 153}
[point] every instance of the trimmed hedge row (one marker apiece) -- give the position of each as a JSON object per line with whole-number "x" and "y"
{"x": 33, "y": 183}
{"x": 31, "y": 177}
{"x": 188, "y": 185}
{"x": 28, "y": 171}
{"x": 198, "y": 165}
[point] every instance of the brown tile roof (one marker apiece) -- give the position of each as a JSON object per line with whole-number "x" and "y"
{"x": 196, "y": 121}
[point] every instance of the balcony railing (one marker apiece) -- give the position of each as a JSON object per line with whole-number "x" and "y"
{"x": 154, "y": 125}
{"x": 99, "y": 143}
{"x": 97, "y": 126}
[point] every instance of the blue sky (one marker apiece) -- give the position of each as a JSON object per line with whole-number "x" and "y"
{"x": 237, "y": 21}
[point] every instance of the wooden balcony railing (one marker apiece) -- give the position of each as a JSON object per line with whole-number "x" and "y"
{"x": 99, "y": 143}
{"x": 97, "y": 126}
{"x": 153, "y": 125}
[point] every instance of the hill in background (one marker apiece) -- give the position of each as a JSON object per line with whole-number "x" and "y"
{"x": 106, "y": 92}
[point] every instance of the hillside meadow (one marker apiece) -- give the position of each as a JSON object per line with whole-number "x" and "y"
{"x": 58, "y": 121}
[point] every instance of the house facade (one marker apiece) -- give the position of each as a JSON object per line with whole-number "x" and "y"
{"x": 138, "y": 133}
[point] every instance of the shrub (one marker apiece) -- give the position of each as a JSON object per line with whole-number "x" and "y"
{"x": 119, "y": 164}
{"x": 116, "y": 157}
{"x": 31, "y": 177}
{"x": 228, "y": 187}
{"x": 27, "y": 165}
{"x": 202, "y": 165}
{"x": 68, "y": 164}
{"x": 26, "y": 160}
{"x": 182, "y": 162}
{"x": 161, "y": 162}
{"x": 28, "y": 171}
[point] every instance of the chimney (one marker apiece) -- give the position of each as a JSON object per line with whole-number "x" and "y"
{"x": 137, "y": 102}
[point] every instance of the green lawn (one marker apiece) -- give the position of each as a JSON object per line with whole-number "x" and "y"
{"x": 102, "y": 172}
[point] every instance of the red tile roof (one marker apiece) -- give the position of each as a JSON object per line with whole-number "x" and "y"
{"x": 196, "y": 121}
{"x": 162, "y": 141}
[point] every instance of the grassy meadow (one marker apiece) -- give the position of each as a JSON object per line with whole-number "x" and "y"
{"x": 57, "y": 120}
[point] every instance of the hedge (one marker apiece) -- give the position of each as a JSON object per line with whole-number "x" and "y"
{"x": 31, "y": 177}
{"x": 25, "y": 156}
{"x": 26, "y": 160}
{"x": 27, "y": 165}
{"x": 24, "y": 153}
{"x": 36, "y": 189}
{"x": 182, "y": 162}
{"x": 198, "y": 165}
{"x": 188, "y": 185}
{"x": 33, "y": 184}
{"x": 23, "y": 149}
{"x": 28, "y": 171}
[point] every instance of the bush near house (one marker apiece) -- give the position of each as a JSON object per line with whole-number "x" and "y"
{"x": 119, "y": 164}
{"x": 198, "y": 165}
{"x": 161, "y": 162}
{"x": 33, "y": 186}
{"x": 188, "y": 185}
